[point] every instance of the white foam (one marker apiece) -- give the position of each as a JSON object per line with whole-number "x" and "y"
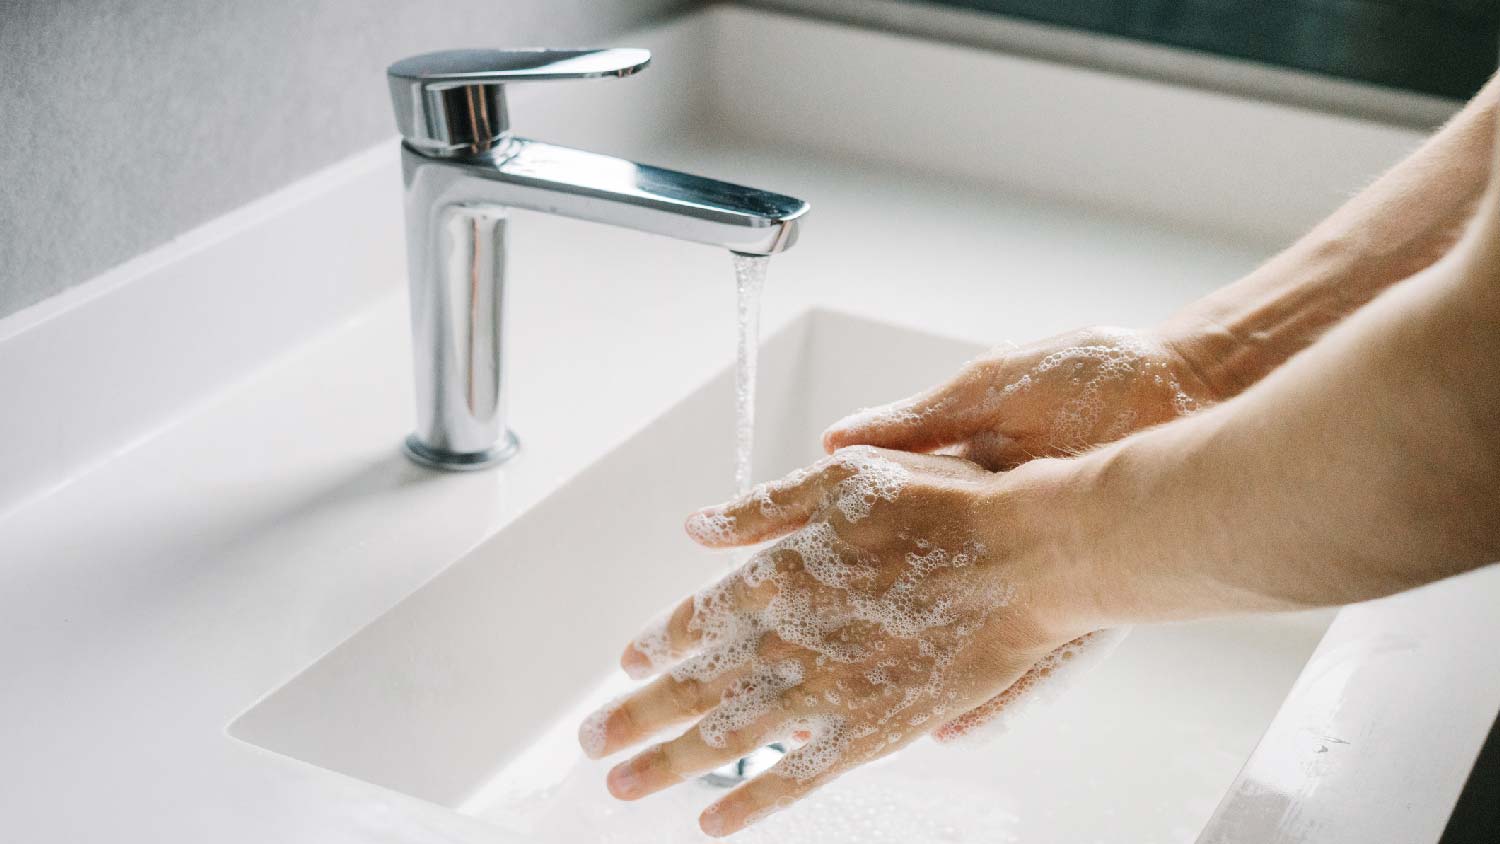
{"x": 1115, "y": 359}
{"x": 711, "y": 527}
{"x": 821, "y": 588}
{"x": 655, "y": 644}
{"x": 818, "y": 546}
{"x": 592, "y": 735}
{"x": 895, "y": 413}
{"x": 749, "y": 699}
{"x": 830, "y": 735}
{"x": 761, "y": 494}
{"x": 875, "y": 479}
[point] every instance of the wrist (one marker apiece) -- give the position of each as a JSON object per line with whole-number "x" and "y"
{"x": 1235, "y": 336}
{"x": 1105, "y": 537}
{"x": 1059, "y": 543}
{"x": 1209, "y": 353}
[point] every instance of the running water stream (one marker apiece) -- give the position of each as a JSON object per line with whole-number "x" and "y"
{"x": 749, "y": 280}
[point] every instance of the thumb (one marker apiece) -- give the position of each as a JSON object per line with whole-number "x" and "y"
{"x": 944, "y": 415}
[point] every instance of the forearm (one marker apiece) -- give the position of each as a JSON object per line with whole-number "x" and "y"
{"x": 1367, "y": 465}
{"x": 1394, "y": 228}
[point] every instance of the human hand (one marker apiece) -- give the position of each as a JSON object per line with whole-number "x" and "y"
{"x": 1060, "y": 396}
{"x": 901, "y": 593}
{"x": 1057, "y": 397}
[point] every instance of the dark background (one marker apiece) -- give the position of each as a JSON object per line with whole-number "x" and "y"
{"x": 1441, "y": 47}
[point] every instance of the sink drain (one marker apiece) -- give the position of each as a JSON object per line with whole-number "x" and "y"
{"x": 744, "y": 768}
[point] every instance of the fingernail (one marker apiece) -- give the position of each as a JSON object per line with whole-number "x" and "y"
{"x": 712, "y": 821}
{"x": 593, "y": 733}
{"x": 624, "y": 782}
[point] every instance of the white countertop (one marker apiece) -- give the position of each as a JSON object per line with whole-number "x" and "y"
{"x": 148, "y": 602}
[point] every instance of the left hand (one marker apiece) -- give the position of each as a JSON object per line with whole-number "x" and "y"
{"x": 1053, "y": 398}
{"x": 902, "y": 593}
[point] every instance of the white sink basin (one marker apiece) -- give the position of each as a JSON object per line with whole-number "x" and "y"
{"x": 468, "y": 693}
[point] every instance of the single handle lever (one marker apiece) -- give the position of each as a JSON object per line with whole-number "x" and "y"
{"x": 452, "y": 102}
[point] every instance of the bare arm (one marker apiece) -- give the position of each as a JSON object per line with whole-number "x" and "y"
{"x": 1396, "y": 227}
{"x": 1366, "y": 465}
{"x": 1016, "y": 404}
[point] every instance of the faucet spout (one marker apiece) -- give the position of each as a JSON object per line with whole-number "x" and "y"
{"x": 554, "y": 179}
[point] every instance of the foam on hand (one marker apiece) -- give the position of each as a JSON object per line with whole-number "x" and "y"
{"x": 655, "y": 644}
{"x": 816, "y": 592}
{"x": 748, "y": 699}
{"x": 821, "y": 595}
{"x": 874, "y": 479}
{"x": 1119, "y": 358}
{"x": 711, "y": 527}
{"x": 592, "y": 734}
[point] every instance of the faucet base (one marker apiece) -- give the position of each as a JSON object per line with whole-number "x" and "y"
{"x": 467, "y": 461}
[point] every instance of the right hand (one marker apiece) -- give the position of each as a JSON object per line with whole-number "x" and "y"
{"x": 899, "y": 591}
{"x": 1055, "y": 398}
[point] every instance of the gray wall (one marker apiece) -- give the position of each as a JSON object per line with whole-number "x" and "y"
{"x": 126, "y": 122}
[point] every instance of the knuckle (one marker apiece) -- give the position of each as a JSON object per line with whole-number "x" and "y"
{"x": 628, "y": 718}
{"x": 685, "y": 694}
{"x": 662, "y": 758}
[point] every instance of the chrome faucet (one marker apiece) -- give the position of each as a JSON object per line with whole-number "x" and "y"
{"x": 463, "y": 168}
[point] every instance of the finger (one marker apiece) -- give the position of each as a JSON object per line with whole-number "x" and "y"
{"x": 662, "y": 643}
{"x": 755, "y": 800}
{"x": 724, "y": 735}
{"x": 769, "y": 510}
{"x": 941, "y": 416}
{"x": 717, "y": 612}
{"x": 644, "y": 713}
{"x": 830, "y": 753}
